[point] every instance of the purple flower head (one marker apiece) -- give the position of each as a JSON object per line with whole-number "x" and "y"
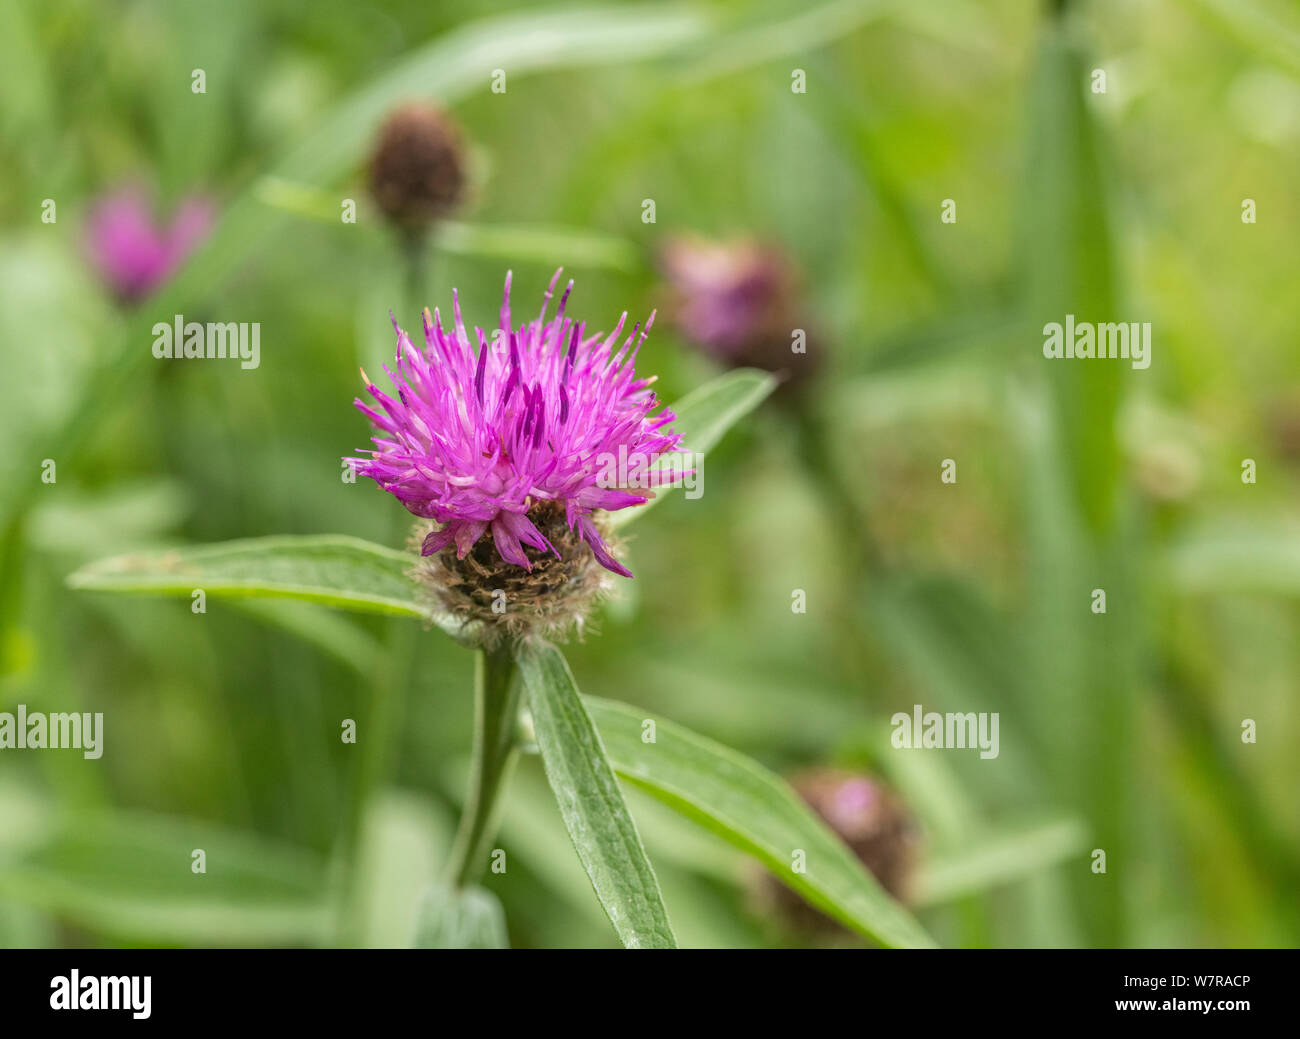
{"x": 727, "y": 294}
{"x": 536, "y": 418}
{"x": 132, "y": 252}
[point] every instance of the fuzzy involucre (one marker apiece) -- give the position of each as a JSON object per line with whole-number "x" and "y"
{"x": 495, "y": 600}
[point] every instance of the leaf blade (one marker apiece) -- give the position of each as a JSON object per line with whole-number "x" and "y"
{"x": 130, "y": 874}
{"x": 754, "y": 810}
{"x": 1003, "y": 857}
{"x": 595, "y": 814}
{"x": 335, "y": 570}
{"x": 1227, "y": 554}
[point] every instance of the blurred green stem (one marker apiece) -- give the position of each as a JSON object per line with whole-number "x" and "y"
{"x": 496, "y": 716}
{"x": 415, "y": 250}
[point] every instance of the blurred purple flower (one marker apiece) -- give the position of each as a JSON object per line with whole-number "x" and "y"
{"x": 475, "y": 440}
{"x": 133, "y": 252}
{"x": 867, "y": 816}
{"x": 727, "y": 294}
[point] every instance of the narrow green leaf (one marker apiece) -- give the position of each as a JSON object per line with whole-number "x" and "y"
{"x": 769, "y": 39}
{"x": 460, "y": 919}
{"x": 1256, "y": 27}
{"x": 705, "y": 414}
{"x": 1070, "y": 266}
{"x": 1225, "y": 555}
{"x": 333, "y": 569}
{"x": 753, "y": 809}
{"x": 1000, "y": 859}
{"x": 131, "y": 874}
{"x": 591, "y": 802}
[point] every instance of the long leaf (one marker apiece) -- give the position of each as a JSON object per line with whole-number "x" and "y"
{"x": 1001, "y": 858}
{"x": 768, "y": 40}
{"x": 705, "y": 414}
{"x": 131, "y": 875}
{"x": 332, "y": 569}
{"x": 1078, "y": 534}
{"x": 1256, "y": 27}
{"x": 1070, "y": 267}
{"x": 753, "y": 809}
{"x": 1227, "y": 554}
{"x": 591, "y": 802}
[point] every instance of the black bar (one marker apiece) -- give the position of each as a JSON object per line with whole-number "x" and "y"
{"x": 832, "y": 991}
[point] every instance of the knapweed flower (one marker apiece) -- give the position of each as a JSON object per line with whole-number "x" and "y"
{"x": 417, "y": 169}
{"x": 738, "y": 301}
{"x": 515, "y": 448}
{"x": 132, "y": 251}
{"x": 870, "y": 819}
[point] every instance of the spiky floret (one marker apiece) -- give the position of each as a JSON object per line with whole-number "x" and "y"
{"x": 541, "y": 415}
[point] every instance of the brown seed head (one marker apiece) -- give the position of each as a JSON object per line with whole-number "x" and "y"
{"x": 417, "y": 169}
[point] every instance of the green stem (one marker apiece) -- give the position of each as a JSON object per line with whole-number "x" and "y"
{"x": 496, "y": 717}
{"x": 415, "y": 251}
{"x": 420, "y": 255}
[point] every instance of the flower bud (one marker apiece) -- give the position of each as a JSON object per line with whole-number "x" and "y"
{"x": 417, "y": 170}
{"x": 871, "y": 820}
{"x": 738, "y": 301}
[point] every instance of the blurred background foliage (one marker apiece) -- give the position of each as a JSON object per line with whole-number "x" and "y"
{"x": 1119, "y": 732}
